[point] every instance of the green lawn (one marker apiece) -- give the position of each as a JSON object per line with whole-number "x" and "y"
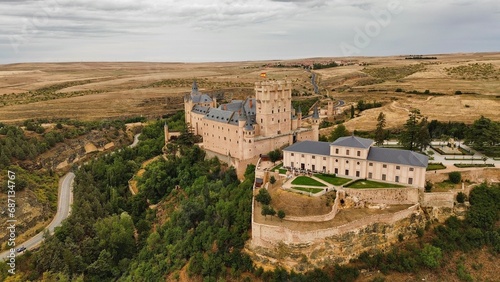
{"x": 304, "y": 180}
{"x": 308, "y": 190}
{"x": 372, "y": 184}
{"x": 280, "y": 168}
{"x": 332, "y": 179}
{"x": 444, "y": 186}
{"x": 435, "y": 166}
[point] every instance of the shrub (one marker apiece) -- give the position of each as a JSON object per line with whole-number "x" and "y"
{"x": 461, "y": 197}
{"x": 272, "y": 179}
{"x": 431, "y": 256}
{"x": 458, "y": 92}
{"x": 399, "y": 90}
{"x": 455, "y": 177}
{"x": 428, "y": 186}
{"x": 420, "y": 232}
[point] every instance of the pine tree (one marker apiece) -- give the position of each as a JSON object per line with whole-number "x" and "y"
{"x": 380, "y": 132}
{"x": 408, "y": 137}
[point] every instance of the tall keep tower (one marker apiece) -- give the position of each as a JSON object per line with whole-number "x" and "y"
{"x": 274, "y": 107}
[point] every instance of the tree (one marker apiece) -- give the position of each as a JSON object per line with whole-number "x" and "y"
{"x": 263, "y": 197}
{"x": 272, "y": 179}
{"x": 274, "y": 155}
{"x": 281, "y": 214}
{"x": 423, "y": 136}
{"x": 461, "y": 197}
{"x": 483, "y": 132}
{"x": 380, "y": 132}
{"x": 415, "y": 135}
{"x": 339, "y": 131}
{"x": 428, "y": 186}
{"x": 431, "y": 256}
{"x": 455, "y": 177}
{"x": 352, "y": 111}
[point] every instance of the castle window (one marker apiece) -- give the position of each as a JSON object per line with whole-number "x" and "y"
{"x": 396, "y": 179}
{"x": 357, "y": 163}
{"x": 398, "y": 167}
{"x": 336, "y": 161}
{"x": 292, "y": 154}
{"x": 370, "y": 164}
{"x": 410, "y": 181}
{"x": 224, "y": 138}
{"x": 347, "y": 152}
{"x": 336, "y": 151}
{"x": 411, "y": 168}
{"x": 313, "y": 157}
{"x": 357, "y": 173}
{"x": 359, "y": 153}
{"x": 383, "y": 177}
{"x": 370, "y": 175}
{"x": 384, "y": 166}
{"x": 346, "y": 161}
{"x": 324, "y": 158}
{"x": 302, "y": 155}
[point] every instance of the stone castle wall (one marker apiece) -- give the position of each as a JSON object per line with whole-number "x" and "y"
{"x": 389, "y": 196}
{"x": 438, "y": 199}
{"x": 269, "y": 235}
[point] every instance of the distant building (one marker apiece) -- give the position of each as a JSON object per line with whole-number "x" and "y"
{"x": 356, "y": 157}
{"x": 242, "y": 130}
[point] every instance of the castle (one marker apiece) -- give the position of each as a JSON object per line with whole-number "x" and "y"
{"x": 240, "y": 131}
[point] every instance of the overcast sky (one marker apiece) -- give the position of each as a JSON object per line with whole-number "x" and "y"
{"x": 210, "y": 30}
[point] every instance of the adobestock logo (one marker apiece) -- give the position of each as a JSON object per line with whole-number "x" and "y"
{"x": 363, "y": 37}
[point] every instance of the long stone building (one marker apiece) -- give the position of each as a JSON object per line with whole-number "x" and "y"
{"x": 355, "y": 157}
{"x": 240, "y": 131}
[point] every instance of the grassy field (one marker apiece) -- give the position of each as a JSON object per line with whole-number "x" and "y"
{"x": 308, "y": 190}
{"x": 85, "y": 90}
{"x": 334, "y": 180}
{"x": 280, "y": 168}
{"x": 362, "y": 184}
{"x": 308, "y": 181}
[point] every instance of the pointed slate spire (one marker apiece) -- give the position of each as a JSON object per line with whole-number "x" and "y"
{"x": 316, "y": 112}
{"x": 194, "y": 88}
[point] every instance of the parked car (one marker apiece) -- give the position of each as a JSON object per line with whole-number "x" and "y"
{"x": 21, "y": 249}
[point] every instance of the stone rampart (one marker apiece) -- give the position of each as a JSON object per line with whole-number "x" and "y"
{"x": 438, "y": 199}
{"x": 389, "y": 196}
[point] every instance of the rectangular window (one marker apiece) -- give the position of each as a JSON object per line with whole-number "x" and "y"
{"x": 336, "y": 171}
{"x": 336, "y": 151}
{"x": 346, "y": 172}
{"x": 384, "y": 166}
{"x": 370, "y": 175}
{"x": 410, "y": 181}
{"x": 411, "y": 168}
{"x": 370, "y": 164}
{"x": 359, "y": 153}
{"x": 291, "y": 154}
{"x": 313, "y": 157}
{"x": 396, "y": 178}
{"x": 302, "y": 155}
{"x": 357, "y": 173}
{"x": 324, "y": 158}
{"x": 383, "y": 177}
{"x": 347, "y": 152}
{"x": 398, "y": 167}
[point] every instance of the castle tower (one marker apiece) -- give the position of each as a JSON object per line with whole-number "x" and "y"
{"x": 315, "y": 123}
{"x": 273, "y": 107}
{"x": 299, "y": 117}
{"x": 329, "y": 111}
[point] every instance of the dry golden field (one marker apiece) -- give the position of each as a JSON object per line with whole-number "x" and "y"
{"x": 112, "y": 90}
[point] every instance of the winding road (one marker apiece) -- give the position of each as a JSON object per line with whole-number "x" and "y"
{"x": 65, "y": 199}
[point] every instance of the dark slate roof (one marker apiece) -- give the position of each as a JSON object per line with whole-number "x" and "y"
{"x": 201, "y": 98}
{"x": 220, "y": 115}
{"x": 396, "y": 156}
{"x": 310, "y": 147}
{"x": 353, "y": 142}
{"x": 315, "y": 114}
{"x": 200, "y": 109}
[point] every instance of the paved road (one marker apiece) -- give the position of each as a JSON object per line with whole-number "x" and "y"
{"x": 136, "y": 140}
{"x": 64, "y": 202}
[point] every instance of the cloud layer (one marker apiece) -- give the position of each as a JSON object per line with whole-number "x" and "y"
{"x": 209, "y": 30}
